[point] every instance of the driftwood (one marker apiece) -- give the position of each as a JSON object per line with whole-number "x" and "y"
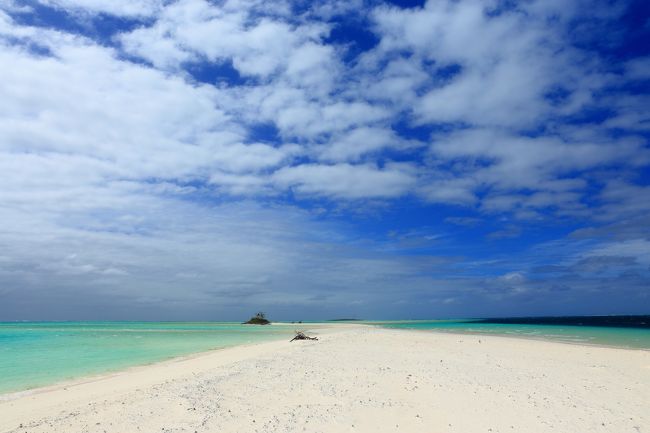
{"x": 302, "y": 336}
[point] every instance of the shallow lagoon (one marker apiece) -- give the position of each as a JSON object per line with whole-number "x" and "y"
{"x": 35, "y": 354}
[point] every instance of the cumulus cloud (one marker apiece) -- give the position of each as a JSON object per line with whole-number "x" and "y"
{"x": 234, "y": 31}
{"x": 506, "y": 164}
{"x": 637, "y": 69}
{"x": 505, "y": 62}
{"x": 13, "y": 6}
{"x": 357, "y": 143}
{"x": 120, "y": 8}
{"x": 346, "y": 181}
{"x": 131, "y": 150}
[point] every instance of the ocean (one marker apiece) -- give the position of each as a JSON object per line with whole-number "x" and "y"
{"x": 629, "y": 332}
{"x": 34, "y": 354}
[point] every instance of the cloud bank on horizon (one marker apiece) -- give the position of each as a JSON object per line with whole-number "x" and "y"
{"x": 195, "y": 159}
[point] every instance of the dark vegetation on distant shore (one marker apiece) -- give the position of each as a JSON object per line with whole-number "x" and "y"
{"x": 258, "y": 319}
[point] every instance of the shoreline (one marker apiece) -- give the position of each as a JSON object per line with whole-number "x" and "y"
{"x": 526, "y": 337}
{"x": 126, "y": 366}
{"x": 318, "y": 326}
{"x": 90, "y": 378}
{"x": 82, "y": 380}
{"x": 357, "y": 378}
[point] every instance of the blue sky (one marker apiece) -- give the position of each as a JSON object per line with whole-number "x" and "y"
{"x": 201, "y": 160}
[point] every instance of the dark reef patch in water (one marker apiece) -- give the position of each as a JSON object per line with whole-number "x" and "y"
{"x": 642, "y": 322}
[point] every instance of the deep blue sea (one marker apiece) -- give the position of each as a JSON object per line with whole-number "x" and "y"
{"x": 630, "y": 332}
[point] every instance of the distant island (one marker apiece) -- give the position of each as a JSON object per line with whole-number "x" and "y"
{"x": 344, "y": 320}
{"x": 258, "y": 319}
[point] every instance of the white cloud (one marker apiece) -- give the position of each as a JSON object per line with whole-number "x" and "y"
{"x": 85, "y": 105}
{"x": 240, "y": 158}
{"x": 397, "y": 83}
{"x": 631, "y": 112}
{"x": 345, "y": 180}
{"x": 638, "y": 69}
{"x": 621, "y": 200}
{"x": 240, "y": 184}
{"x": 313, "y": 66}
{"x": 13, "y": 6}
{"x": 488, "y": 159}
{"x": 184, "y": 259}
{"x": 638, "y": 249}
{"x": 196, "y": 29}
{"x": 314, "y": 119}
{"x": 506, "y": 63}
{"x": 153, "y": 45}
{"x": 353, "y": 145}
{"x": 457, "y": 191}
{"x": 121, "y": 8}
{"x": 116, "y": 150}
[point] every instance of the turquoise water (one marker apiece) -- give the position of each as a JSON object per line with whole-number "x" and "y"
{"x": 629, "y": 338}
{"x": 43, "y": 353}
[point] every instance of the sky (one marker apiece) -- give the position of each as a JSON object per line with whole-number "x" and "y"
{"x": 204, "y": 160}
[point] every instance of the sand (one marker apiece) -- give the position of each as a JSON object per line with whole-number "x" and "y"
{"x": 358, "y": 379}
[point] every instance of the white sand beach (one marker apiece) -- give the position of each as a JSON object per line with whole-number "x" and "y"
{"x": 357, "y": 379}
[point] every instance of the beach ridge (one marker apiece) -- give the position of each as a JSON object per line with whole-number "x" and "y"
{"x": 358, "y": 378}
